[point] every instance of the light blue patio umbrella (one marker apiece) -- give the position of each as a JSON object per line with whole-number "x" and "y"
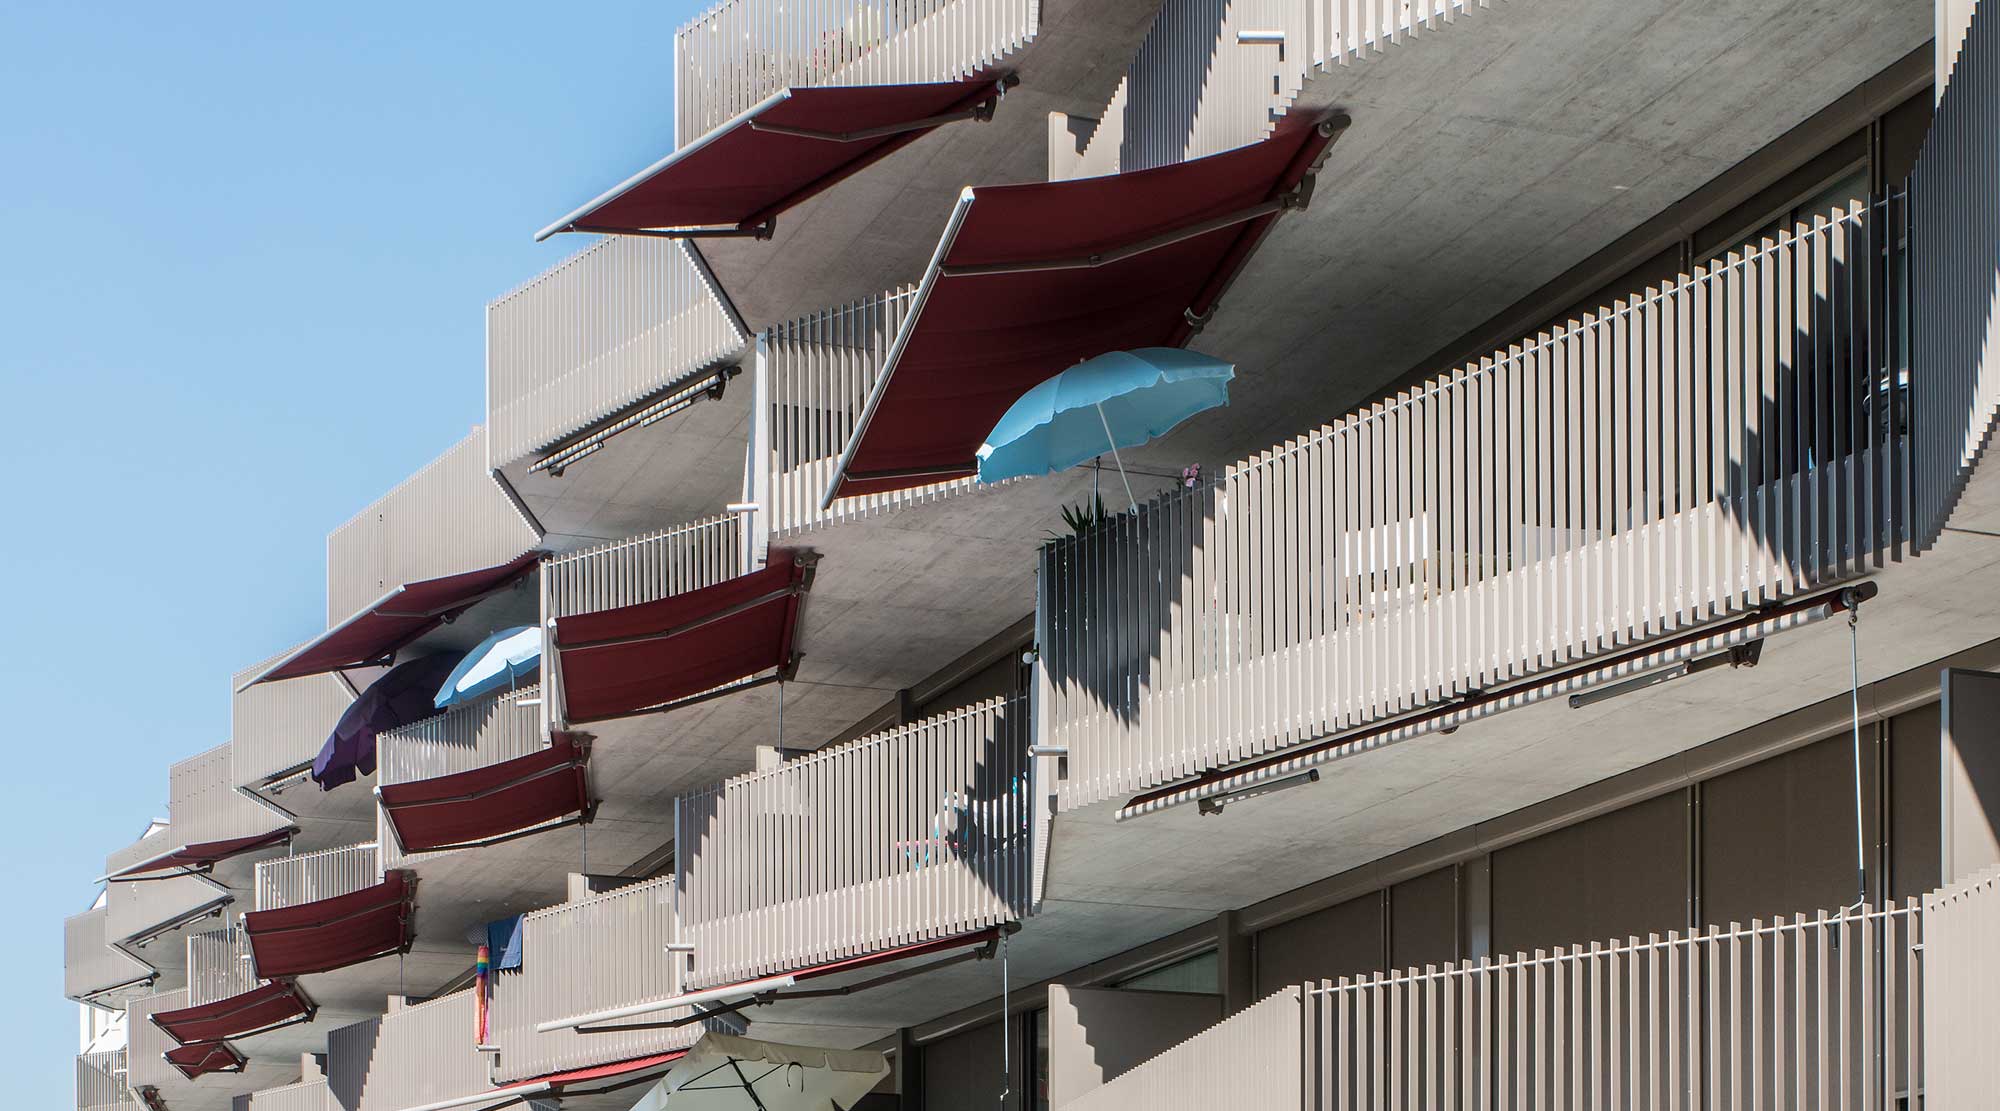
{"x": 499, "y": 663}
{"x": 1122, "y": 399}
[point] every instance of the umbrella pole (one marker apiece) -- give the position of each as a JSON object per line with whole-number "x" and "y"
{"x": 1114, "y": 457}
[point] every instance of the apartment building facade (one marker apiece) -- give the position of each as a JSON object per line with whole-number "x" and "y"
{"x": 1600, "y": 707}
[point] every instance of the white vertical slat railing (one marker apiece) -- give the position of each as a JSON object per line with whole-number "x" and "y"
{"x": 100, "y": 1082}
{"x": 306, "y": 1095}
{"x": 1249, "y": 1061}
{"x": 622, "y": 321}
{"x": 583, "y": 957}
{"x": 916, "y": 833}
{"x": 1961, "y": 1002}
{"x": 815, "y": 375}
{"x": 420, "y": 1054}
{"x": 309, "y": 877}
{"x": 219, "y": 965}
{"x": 1816, "y": 1011}
{"x": 1689, "y": 454}
{"x": 740, "y": 52}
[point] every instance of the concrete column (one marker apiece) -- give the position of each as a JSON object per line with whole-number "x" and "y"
{"x": 1234, "y": 970}
{"x": 906, "y": 1063}
{"x": 1969, "y": 766}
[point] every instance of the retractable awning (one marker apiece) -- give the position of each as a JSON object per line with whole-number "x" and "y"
{"x": 265, "y": 1007}
{"x": 599, "y": 1078}
{"x": 1031, "y": 279}
{"x": 737, "y": 178}
{"x": 202, "y": 856}
{"x": 326, "y": 934}
{"x": 394, "y": 620}
{"x": 489, "y": 803}
{"x": 202, "y": 1058}
{"x": 658, "y": 655}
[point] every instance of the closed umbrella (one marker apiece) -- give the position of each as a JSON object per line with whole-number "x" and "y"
{"x": 500, "y": 662}
{"x": 727, "y": 1073}
{"x": 1122, "y": 399}
{"x": 403, "y": 695}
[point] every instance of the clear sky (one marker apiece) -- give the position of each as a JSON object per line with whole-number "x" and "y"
{"x": 246, "y": 254}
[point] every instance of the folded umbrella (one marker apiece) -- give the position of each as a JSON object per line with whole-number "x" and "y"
{"x": 403, "y": 695}
{"x": 500, "y": 662}
{"x": 727, "y": 1073}
{"x": 1122, "y": 399}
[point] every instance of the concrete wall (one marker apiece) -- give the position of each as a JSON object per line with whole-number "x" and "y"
{"x": 1098, "y": 1034}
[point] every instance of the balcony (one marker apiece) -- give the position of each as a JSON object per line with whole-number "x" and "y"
{"x": 201, "y": 1076}
{"x": 323, "y": 911}
{"x": 1867, "y": 1008}
{"x": 598, "y": 953}
{"x": 585, "y": 361}
{"x": 441, "y": 756}
{"x": 1515, "y": 519}
{"x": 93, "y": 970}
{"x": 449, "y": 518}
{"x": 227, "y": 999}
{"x": 818, "y": 870}
{"x": 100, "y": 1082}
{"x": 275, "y": 729}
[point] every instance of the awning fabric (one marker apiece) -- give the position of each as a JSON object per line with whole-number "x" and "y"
{"x": 745, "y": 172}
{"x": 326, "y": 934}
{"x": 1032, "y": 279}
{"x": 591, "y": 1078}
{"x": 206, "y": 854}
{"x": 395, "y": 619}
{"x": 264, "y": 1007}
{"x": 201, "y": 1058}
{"x": 488, "y": 802}
{"x": 615, "y": 663}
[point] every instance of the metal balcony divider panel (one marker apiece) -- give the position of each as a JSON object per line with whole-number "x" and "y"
{"x": 917, "y": 833}
{"x": 306, "y": 1095}
{"x": 100, "y": 1082}
{"x": 1689, "y": 454}
{"x": 1249, "y": 1061}
{"x": 310, "y": 877}
{"x": 1195, "y": 88}
{"x": 587, "y": 956}
{"x": 617, "y": 322}
{"x": 420, "y": 1054}
{"x": 1963, "y": 984}
{"x": 147, "y": 1044}
{"x": 816, "y": 373}
{"x": 1954, "y": 231}
{"x": 219, "y": 965}
{"x": 449, "y": 517}
{"x": 90, "y": 964}
{"x": 739, "y": 52}
{"x": 1820, "y": 1011}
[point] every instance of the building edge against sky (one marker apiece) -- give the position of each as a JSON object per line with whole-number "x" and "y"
{"x": 1603, "y": 702}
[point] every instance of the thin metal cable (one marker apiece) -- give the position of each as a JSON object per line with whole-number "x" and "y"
{"x": 583, "y": 853}
{"x": 781, "y": 721}
{"x": 1006, "y": 1029}
{"x": 1854, "y": 662}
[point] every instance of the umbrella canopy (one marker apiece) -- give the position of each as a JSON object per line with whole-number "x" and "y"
{"x": 399, "y": 697}
{"x": 726, "y": 1073}
{"x": 499, "y": 663}
{"x": 1122, "y": 399}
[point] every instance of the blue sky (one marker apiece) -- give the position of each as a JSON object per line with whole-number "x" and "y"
{"x": 246, "y": 254}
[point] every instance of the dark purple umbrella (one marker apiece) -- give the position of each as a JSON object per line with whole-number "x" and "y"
{"x": 405, "y": 694}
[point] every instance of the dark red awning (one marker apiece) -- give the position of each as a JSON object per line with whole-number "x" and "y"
{"x": 1030, "y": 279}
{"x": 394, "y": 620}
{"x": 489, "y": 802}
{"x": 265, "y": 1007}
{"x": 637, "y": 659}
{"x": 206, "y": 854}
{"x": 201, "y": 1058}
{"x": 326, "y": 934}
{"x": 586, "y": 1079}
{"x": 787, "y": 148}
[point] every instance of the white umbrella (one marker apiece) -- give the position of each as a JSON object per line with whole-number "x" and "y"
{"x": 727, "y": 1073}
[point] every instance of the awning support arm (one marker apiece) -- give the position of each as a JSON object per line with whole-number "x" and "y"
{"x": 584, "y": 818}
{"x": 763, "y": 230}
{"x": 982, "y": 112}
{"x": 781, "y": 675}
{"x": 475, "y": 796}
{"x": 787, "y": 591}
